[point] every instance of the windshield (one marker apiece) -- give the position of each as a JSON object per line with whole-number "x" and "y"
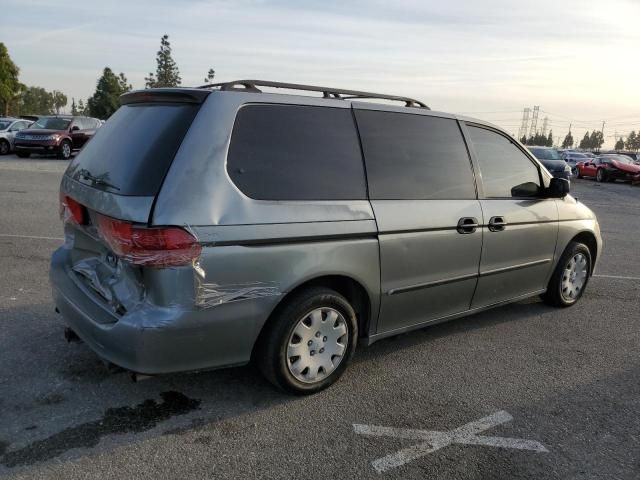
{"x": 52, "y": 123}
{"x": 545, "y": 154}
{"x": 4, "y": 124}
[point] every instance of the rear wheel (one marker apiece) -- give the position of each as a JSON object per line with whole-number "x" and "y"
{"x": 23, "y": 154}
{"x": 4, "y": 147}
{"x": 570, "y": 277}
{"x": 601, "y": 175}
{"x": 308, "y": 343}
{"x": 65, "y": 150}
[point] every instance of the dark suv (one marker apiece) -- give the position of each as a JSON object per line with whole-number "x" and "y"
{"x": 58, "y": 135}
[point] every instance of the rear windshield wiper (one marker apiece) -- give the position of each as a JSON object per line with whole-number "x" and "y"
{"x": 97, "y": 180}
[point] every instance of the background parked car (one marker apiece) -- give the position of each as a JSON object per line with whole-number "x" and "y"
{"x": 58, "y": 135}
{"x": 609, "y": 168}
{"x": 552, "y": 161}
{"x": 573, "y": 158}
{"x": 8, "y": 129}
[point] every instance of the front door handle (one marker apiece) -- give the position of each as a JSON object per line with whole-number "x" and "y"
{"x": 467, "y": 225}
{"x": 497, "y": 224}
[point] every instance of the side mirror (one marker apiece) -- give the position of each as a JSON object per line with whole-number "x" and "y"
{"x": 528, "y": 189}
{"x": 558, "y": 188}
{"x": 75, "y": 128}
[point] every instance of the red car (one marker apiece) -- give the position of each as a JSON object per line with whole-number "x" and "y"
{"x": 609, "y": 168}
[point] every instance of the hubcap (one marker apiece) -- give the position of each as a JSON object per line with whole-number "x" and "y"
{"x": 66, "y": 150}
{"x": 599, "y": 175}
{"x": 4, "y": 148}
{"x": 574, "y": 277}
{"x": 317, "y": 345}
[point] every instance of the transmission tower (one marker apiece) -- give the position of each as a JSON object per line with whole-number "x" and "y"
{"x": 524, "y": 126}
{"x": 534, "y": 121}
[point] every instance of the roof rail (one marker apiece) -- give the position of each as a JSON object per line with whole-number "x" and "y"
{"x": 252, "y": 86}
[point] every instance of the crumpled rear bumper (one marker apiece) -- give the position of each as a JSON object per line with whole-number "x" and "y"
{"x": 152, "y": 339}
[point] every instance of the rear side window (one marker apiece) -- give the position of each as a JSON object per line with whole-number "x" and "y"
{"x": 506, "y": 170}
{"x": 291, "y": 152}
{"x": 414, "y": 157}
{"x": 131, "y": 153}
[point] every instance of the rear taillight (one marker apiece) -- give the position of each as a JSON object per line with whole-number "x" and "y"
{"x": 72, "y": 211}
{"x": 151, "y": 247}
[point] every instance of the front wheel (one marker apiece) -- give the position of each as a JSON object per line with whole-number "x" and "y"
{"x": 570, "y": 277}
{"x": 4, "y": 147}
{"x": 308, "y": 343}
{"x": 601, "y": 175}
{"x": 65, "y": 150}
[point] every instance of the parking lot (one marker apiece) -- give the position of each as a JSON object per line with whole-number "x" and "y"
{"x": 556, "y": 391}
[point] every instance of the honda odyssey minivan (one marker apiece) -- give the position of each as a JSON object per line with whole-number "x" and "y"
{"x": 213, "y": 226}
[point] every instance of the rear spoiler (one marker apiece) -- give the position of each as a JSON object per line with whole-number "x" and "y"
{"x": 165, "y": 95}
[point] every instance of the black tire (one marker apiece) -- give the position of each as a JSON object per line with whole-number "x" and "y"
{"x": 64, "y": 151}
{"x": 5, "y": 148}
{"x": 23, "y": 154}
{"x": 554, "y": 295}
{"x": 601, "y": 175}
{"x": 270, "y": 355}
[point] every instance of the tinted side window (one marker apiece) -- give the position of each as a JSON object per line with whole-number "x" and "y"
{"x": 291, "y": 152}
{"x": 503, "y": 166}
{"x": 414, "y": 157}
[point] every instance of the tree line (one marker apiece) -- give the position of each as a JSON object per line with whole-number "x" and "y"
{"x": 18, "y": 99}
{"x": 539, "y": 140}
{"x": 632, "y": 142}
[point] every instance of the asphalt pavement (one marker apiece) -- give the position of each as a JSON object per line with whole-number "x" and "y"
{"x": 523, "y": 391}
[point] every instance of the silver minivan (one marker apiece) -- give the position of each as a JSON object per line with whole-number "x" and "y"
{"x": 213, "y": 226}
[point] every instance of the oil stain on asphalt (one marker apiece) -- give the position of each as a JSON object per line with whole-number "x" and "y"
{"x": 114, "y": 421}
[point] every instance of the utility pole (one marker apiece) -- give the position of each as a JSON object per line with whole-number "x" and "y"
{"x": 602, "y": 133}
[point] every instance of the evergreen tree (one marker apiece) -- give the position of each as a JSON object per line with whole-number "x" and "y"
{"x": 632, "y": 141}
{"x": 568, "y": 141}
{"x": 10, "y": 87}
{"x": 210, "y": 76}
{"x": 596, "y": 140}
{"x": 106, "y": 98}
{"x": 167, "y": 73}
{"x": 619, "y": 144}
{"x": 82, "y": 109}
{"x": 523, "y": 140}
{"x": 74, "y": 109}
{"x": 550, "y": 139}
{"x": 585, "y": 143}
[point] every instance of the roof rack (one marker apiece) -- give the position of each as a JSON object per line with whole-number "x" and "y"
{"x": 252, "y": 86}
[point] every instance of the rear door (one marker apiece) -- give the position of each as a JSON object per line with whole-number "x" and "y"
{"x": 520, "y": 227}
{"x": 422, "y": 191}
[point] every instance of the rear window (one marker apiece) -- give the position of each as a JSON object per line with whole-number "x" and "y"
{"x": 292, "y": 152}
{"x": 131, "y": 153}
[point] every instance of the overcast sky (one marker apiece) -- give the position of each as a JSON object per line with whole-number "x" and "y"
{"x": 576, "y": 59}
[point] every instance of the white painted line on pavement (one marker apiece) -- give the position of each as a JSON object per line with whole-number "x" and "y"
{"x": 433, "y": 440}
{"x": 617, "y": 276}
{"x": 7, "y": 235}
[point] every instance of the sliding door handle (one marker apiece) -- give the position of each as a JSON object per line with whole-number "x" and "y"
{"x": 467, "y": 225}
{"x": 497, "y": 224}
